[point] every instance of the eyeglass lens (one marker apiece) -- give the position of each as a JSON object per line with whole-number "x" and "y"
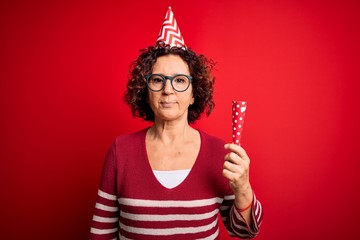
{"x": 179, "y": 82}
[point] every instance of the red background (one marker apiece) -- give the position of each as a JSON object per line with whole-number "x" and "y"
{"x": 63, "y": 68}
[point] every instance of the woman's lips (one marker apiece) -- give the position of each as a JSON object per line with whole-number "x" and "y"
{"x": 167, "y": 104}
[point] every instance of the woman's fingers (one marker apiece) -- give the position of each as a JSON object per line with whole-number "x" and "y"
{"x": 236, "y": 166}
{"x": 237, "y": 149}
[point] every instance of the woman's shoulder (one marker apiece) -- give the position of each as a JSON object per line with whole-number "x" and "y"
{"x": 131, "y": 138}
{"x": 212, "y": 149}
{"x": 211, "y": 139}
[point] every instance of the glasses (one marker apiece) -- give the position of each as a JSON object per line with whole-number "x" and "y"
{"x": 179, "y": 82}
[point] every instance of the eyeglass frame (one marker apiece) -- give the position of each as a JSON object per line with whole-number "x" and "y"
{"x": 164, "y": 78}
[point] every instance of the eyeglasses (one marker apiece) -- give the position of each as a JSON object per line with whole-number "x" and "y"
{"x": 179, "y": 82}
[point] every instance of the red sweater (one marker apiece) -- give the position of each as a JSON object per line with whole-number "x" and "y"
{"x": 132, "y": 204}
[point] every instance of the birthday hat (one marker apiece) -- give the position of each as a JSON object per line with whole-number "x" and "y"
{"x": 170, "y": 32}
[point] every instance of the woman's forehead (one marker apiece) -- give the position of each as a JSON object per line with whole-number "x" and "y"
{"x": 170, "y": 64}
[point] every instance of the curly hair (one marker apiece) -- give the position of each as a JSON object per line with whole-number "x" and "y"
{"x": 202, "y": 83}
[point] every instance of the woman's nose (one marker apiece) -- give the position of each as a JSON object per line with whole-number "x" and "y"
{"x": 168, "y": 87}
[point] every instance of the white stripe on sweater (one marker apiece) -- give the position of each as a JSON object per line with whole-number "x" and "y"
{"x": 106, "y": 195}
{"x": 103, "y": 231}
{"x": 258, "y": 212}
{"x": 105, "y": 219}
{"x": 229, "y": 197}
{"x": 106, "y": 208}
{"x": 169, "y": 203}
{"x": 168, "y": 217}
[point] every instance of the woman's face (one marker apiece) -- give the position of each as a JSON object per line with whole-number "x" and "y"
{"x": 168, "y": 104}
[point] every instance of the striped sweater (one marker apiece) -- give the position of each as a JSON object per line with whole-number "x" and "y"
{"x": 132, "y": 204}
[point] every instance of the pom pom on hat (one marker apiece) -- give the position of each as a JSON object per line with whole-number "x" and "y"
{"x": 170, "y": 32}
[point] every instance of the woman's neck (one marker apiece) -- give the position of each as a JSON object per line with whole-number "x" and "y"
{"x": 170, "y": 132}
{"x": 172, "y": 147}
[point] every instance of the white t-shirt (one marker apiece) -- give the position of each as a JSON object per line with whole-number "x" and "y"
{"x": 171, "y": 179}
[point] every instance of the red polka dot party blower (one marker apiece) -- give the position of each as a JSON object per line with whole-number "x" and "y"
{"x": 238, "y": 115}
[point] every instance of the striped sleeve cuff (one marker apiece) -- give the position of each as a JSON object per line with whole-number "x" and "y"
{"x": 241, "y": 227}
{"x": 105, "y": 222}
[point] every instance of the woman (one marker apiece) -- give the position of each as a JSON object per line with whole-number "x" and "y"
{"x": 170, "y": 181}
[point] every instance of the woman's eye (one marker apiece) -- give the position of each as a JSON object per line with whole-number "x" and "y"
{"x": 180, "y": 80}
{"x": 156, "y": 80}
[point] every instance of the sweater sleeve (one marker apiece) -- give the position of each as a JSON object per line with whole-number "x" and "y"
{"x": 105, "y": 222}
{"x": 235, "y": 223}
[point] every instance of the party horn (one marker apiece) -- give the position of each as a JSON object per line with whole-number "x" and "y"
{"x": 238, "y": 115}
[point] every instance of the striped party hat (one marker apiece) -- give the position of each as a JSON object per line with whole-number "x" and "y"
{"x": 170, "y": 32}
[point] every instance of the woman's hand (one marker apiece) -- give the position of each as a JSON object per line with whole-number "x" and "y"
{"x": 236, "y": 170}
